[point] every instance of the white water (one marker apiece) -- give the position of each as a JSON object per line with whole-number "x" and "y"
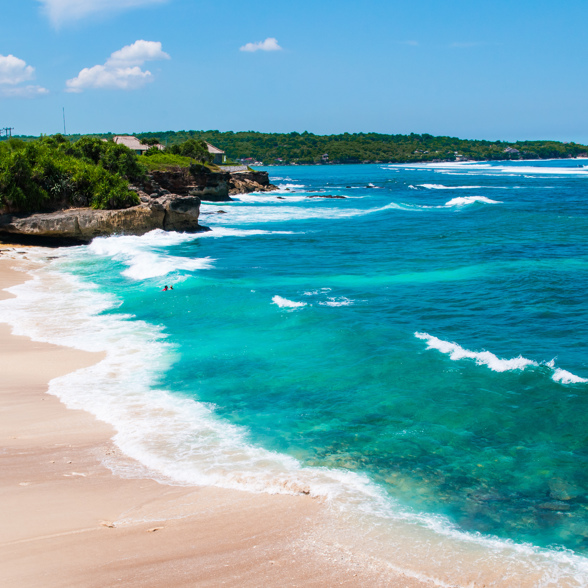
{"x": 481, "y": 168}
{"x": 457, "y": 353}
{"x": 465, "y": 200}
{"x": 285, "y": 303}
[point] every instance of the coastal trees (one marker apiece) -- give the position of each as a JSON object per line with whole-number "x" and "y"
{"x": 193, "y": 148}
{"x": 52, "y": 173}
{"x": 271, "y": 148}
{"x": 277, "y": 148}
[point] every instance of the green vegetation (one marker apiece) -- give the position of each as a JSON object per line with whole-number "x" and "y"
{"x": 156, "y": 160}
{"x": 52, "y": 173}
{"x": 307, "y": 148}
{"x": 192, "y": 148}
{"x": 270, "y": 148}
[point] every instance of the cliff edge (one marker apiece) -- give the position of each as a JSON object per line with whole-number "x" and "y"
{"x": 170, "y": 200}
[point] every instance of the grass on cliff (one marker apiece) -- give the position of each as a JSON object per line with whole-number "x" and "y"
{"x": 165, "y": 161}
{"x": 53, "y": 173}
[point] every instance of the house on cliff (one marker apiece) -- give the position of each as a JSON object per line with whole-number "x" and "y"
{"x": 218, "y": 154}
{"x": 134, "y": 144}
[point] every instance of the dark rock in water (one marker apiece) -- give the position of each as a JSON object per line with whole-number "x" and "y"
{"x": 349, "y": 187}
{"x": 556, "y": 506}
{"x": 560, "y": 489}
{"x": 327, "y": 196}
{"x": 221, "y": 212}
{"x": 243, "y": 182}
{"x": 280, "y": 198}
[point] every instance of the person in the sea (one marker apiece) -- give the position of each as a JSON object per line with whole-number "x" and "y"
{"x": 165, "y": 289}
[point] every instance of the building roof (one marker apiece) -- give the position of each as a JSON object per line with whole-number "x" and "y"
{"x": 213, "y": 149}
{"x": 134, "y": 143}
{"x": 130, "y": 142}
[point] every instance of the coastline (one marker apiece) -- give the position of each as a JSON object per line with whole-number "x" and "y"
{"x": 70, "y": 521}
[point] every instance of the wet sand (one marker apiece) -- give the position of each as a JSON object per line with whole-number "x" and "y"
{"x": 69, "y": 521}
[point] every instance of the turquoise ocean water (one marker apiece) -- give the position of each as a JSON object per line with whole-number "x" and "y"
{"x": 414, "y": 352}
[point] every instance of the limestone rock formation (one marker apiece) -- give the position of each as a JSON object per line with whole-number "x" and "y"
{"x": 243, "y": 182}
{"x": 172, "y": 213}
{"x": 208, "y": 185}
{"x": 170, "y": 200}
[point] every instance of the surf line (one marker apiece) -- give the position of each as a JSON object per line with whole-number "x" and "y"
{"x": 457, "y": 352}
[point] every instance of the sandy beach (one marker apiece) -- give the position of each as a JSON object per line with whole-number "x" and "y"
{"x": 69, "y": 521}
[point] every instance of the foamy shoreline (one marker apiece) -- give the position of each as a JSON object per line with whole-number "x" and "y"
{"x": 350, "y": 535}
{"x": 70, "y": 521}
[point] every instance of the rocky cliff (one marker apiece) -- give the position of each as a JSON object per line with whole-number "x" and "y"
{"x": 170, "y": 200}
{"x": 170, "y": 212}
{"x": 198, "y": 180}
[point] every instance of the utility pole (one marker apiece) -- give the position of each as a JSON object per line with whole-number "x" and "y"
{"x": 64, "y": 129}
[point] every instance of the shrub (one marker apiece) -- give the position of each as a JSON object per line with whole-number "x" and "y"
{"x": 52, "y": 173}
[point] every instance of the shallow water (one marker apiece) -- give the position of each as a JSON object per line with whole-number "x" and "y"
{"x": 414, "y": 352}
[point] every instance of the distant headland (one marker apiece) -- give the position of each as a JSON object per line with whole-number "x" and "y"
{"x": 253, "y": 148}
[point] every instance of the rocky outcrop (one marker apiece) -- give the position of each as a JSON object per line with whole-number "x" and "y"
{"x": 171, "y": 213}
{"x": 197, "y": 180}
{"x": 170, "y": 200}
{"x": 243, "y": 182}
{"x": 212, "y": 186}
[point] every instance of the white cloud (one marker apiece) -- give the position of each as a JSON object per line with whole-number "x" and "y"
{"x": 64, "y": 11}
{"x": 15, "y": 71}
{"x": 270, "y": 44}
{"x": 122, "y": 70}
{"x": 23, "y": 91}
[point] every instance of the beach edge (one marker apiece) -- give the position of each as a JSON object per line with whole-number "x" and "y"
{"x": 71, "y": 521}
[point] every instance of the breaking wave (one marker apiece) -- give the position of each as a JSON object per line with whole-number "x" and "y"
{"x": 457, "y": 352}
{"x": 285, "y": 303}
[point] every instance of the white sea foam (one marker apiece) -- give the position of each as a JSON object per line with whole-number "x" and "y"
{"x": 230, "y": 232}
{"x": 145, "y": 256}
{"x": 483, "y": 168}
{"x": 278, "y": 196}
{"x": 239, "y": 214}
{"x": 566, "y": 377}
{"x": 465, "y": 200}
{"x": 143, "y": 263}
{"x": 317, "y": 292}
{"x": 285, "y": 303}
{"x": 441, "y": 187}
{"x": 456, "y": 353}
{"x": 182, "y": 441}
{"x": 340, "y": 301}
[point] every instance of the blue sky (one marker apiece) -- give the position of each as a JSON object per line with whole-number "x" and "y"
{"x": 488, "y": 70}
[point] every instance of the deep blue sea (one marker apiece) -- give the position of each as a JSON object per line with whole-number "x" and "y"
{"x": 413, "y": 352}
